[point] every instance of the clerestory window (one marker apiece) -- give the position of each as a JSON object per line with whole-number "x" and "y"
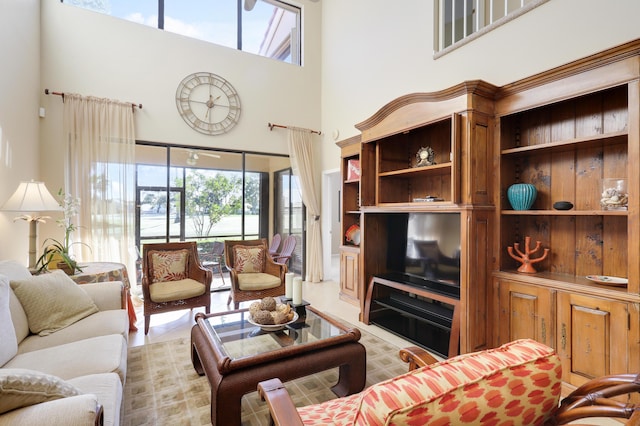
{"x": 458, "y": 22}
{"x": 269, "y": 28}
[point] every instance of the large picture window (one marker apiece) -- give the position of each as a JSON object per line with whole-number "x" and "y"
{"x": 269, "y": 28}
{"x": 205, "y": 195}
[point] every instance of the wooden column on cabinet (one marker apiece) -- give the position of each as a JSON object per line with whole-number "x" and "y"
{"x": 350, "y": 172}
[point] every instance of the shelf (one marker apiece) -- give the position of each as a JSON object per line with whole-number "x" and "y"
{"x": 564, "y": 212}
{"x": 430, "y": 313}
{"x": 352, "y": 212}
{"x": 442, "y": 168}
{"x": 347, "y": 182}
{"x": 583, "y": 142}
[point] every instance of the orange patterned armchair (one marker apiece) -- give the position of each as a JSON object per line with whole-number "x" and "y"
{"x": 518, "y": 383}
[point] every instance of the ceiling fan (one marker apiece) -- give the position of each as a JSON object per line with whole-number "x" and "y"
{"x": 249, "y": 4}
{"x": 194, "y": 155}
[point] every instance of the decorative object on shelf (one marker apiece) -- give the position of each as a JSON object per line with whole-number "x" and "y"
{"x": 353, "y": 170}
{"x": 428, "y": 198}
{"x": 56, "y": 253}
{"x": 614, "y": 194}
{"x": 426, "y": 156}
{"x": 208, "y": 103}
{"x": 606, "y": 280}
{"x": 525, "y": 257}
{"x": 563, "y": 205}
{"x": 353, "y": 234}
{"x": 522, "y": 195}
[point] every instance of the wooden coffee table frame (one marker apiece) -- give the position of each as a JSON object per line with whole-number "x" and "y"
{"x": 230, "y": 378}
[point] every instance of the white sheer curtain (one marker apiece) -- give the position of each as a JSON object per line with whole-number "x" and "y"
{"x": 303, "y": 166}
{"x": 100, "y": 170}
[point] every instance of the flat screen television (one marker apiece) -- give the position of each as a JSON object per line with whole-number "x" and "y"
{"x": 424, "y": 249}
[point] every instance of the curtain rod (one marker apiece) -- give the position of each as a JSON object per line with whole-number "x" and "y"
{"x": 47, "y": 92}
{"x": 271, "y": 126}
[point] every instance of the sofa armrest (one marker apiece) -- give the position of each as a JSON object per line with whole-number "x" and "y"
{"x": 73, "y": 410}
{"x": 416, "y": 357}
{"x": 107, "y": 295}
{"x": 281, "y": 407}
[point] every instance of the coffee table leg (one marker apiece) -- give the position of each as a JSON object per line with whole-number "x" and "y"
{"x": 226, "y": 406}
{"x": 353, "y": 375}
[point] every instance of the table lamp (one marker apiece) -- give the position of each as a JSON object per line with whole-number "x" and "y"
{"x": 31, "y": 197}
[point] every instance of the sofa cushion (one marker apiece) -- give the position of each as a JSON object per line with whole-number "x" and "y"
{"x": 176, "y": 290}
{"x": 248, "y": 259}
{"x": 14, "y": 270}
{"x": 23, "y": 387}
{"x": 72, "y": 410}
{"x": 102, "y": 354}
{"x": 517, "y": 383}
{"x": 168, "y": 265}
{"x": 52, "y": 301}
{"x": 9, "y": 346}
{"x": 101, "y": 323}
{"x": 108, "y": 388}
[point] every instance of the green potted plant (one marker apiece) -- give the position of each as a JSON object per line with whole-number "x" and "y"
{"x": 59, "y": 251}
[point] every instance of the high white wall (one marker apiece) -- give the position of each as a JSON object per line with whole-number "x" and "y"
{"x": 19, "y": 83}
{"x": 375, "y": 50}
{"x": 95, "y": 54}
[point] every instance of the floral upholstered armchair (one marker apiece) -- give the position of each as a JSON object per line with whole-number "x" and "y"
{"x": 173, "y": 279}
{"x": 518, "y": 383}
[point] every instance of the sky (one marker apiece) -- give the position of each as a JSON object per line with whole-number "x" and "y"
{"x": 210, "y": 20}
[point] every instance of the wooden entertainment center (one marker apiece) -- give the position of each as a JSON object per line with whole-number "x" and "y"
{"x": 564, "y": 131}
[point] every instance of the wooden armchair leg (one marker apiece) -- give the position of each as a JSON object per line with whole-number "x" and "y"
{"x": 283, "y": 411}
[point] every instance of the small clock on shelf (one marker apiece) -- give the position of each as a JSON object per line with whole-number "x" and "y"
{"x": 425, "y": 157}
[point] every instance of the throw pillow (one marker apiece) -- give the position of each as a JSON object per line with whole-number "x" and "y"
{"x": 52, "y": 301}
{"x": 20, "y": 388}
{"x": 248, "y": 259}
{"x": 9, "y": 346}
{"x": 170, "y": 265}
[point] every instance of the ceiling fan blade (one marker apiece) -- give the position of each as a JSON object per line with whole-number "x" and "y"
{"x": 249, "y": 4}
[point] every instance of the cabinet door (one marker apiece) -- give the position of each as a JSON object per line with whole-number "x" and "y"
{"x": 593, "y": 337}
{"x": 525, "y": 312}
{"x": 349, "y": 270}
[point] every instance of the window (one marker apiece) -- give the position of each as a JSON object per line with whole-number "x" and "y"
{"x": 267, "y": 28}
{"x": 206, "y": 195}
{"x": 459, "y": 21}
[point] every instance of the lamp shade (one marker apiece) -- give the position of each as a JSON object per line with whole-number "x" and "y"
{"x": 31, "y": 197}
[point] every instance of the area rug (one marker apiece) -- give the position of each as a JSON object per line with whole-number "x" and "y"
{"x": 162, "y": 388}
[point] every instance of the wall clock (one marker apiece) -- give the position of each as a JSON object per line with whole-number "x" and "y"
{"x": 208, "y": 103}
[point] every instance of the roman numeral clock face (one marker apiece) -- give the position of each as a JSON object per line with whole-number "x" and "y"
{"x": 208, "y": 103}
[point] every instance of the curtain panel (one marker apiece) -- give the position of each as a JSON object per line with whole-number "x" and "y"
{"x": 100, "y": 170}
{"x": 303, "y": 166}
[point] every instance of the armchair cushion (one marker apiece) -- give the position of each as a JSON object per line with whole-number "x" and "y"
{"x": 169, "y": 291}
{"x": 257, "y": 281}
{"x": 52, "y": 301}
{"x": 170, "y": 265}
{"x": 249, "y": 259}
{"x": 21, "y": 387}
{"x": 517, "y": 383}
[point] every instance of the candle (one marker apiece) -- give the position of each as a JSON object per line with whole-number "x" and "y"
{"x": 297, "y": 291}
{"x": 288, "y": 285}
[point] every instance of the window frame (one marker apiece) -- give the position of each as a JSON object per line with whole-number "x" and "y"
{"x": 439, "y": 22}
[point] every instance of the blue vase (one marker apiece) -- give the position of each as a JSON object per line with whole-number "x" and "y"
{"x": 522, "y": 195}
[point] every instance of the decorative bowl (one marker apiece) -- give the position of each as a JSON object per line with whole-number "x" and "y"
{"x": 273, "y": 327}
{"x": 563, "y": 205}
{"x": 606, "y": 280}
{"x": 522, "y": 195}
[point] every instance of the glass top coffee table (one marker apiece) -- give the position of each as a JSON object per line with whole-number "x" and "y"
{"x": 236, "y": 355}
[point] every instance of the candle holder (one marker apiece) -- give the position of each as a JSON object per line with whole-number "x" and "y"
{"x": 525, "y": 257}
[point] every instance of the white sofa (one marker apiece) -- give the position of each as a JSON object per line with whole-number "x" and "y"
{"x": 63, "y": 369}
